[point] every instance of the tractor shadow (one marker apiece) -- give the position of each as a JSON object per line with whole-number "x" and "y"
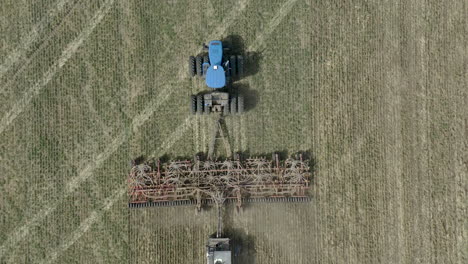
{"x": 252, "y": 59}
{"x": 251, "y": 97}
{"x": 242, "y": 244}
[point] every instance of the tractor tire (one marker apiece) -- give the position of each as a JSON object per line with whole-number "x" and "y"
{"x": 234, "y": 105}
{"x": 205, "y": 68}
{"x": 199, "y": 104}
{"x": 240, "y": 65}
{"x": 199, "y": 65}
{"x": 193, "y": 104}
{"x": 232, "y": 61}
{"x": 240, "y": 104}
{"x": 192, "y": 66}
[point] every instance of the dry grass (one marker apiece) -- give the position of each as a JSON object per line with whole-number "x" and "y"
{"x": 376, "y": 91}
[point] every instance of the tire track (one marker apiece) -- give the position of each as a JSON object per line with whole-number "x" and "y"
{"x": 243, "y": 134}
{"x": 23, "y": 231}
{"x": 176, "y": 135}
{"x": 284, "y": 10}
{"x": 32, "y": 36}
{"x": 197, "y": 134}
{"x": 109, "y": 202}
{"x": 229, "y": 20}
{"x": 87, "y": 94}
{"x": 69, "y": 51}
{"x": 137, "y": 122}
{"x": 85, "y": 226}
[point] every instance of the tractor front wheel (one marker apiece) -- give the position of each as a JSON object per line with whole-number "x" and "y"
{"x": 199, "y": 65}
{"x": 192, "y": 66}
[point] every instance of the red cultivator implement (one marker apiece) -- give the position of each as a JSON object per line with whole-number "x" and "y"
{"x": 216, "y": 182}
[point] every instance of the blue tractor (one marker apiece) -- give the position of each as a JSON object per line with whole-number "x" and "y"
{"x": 218, "y": 69}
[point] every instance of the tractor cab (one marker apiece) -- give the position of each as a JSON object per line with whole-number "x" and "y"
{"x": 215, "y": 77}
{"x": 215, "y": 73}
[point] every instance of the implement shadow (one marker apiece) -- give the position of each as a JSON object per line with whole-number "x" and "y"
{"x": 242, "y": 244}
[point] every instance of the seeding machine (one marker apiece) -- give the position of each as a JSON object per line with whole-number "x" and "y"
{"x": 212, "y": 181}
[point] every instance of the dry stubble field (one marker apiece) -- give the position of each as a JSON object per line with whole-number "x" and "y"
{"x": 375, "y": 90}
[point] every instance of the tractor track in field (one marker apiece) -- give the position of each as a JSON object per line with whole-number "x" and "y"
{"x": 32, "y": 36}
{"x": 229, "y": 20}
{"x": 69, "y": 51}
{"x": 96, "y": 214}
{"x": 137, "y": 122}
{"x": 84, "y": 226}
{"x": 23, "y": 231}
{"x": 243, "y": 133}
{"x": 84, "y": 174}
{"x": 284, "y": 10}
{"x": 196, "y": 130}
{"x": 175, "y": 136}
{"x": 87, "y": 94}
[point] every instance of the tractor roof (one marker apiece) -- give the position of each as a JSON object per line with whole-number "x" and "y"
{"x": 215, "y": 77}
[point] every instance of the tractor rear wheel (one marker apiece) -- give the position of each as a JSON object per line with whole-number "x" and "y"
{"x": 199, "y": 104}
{"x": 240, "y": 65}
{"x": 193, "y": 104}
{"x": 234, "y": 105}
{"x": 192, "y": 69}
{"x": 199, "y": 65}
{"x": 232, "y": 61}
{"x": 240, "y": 104}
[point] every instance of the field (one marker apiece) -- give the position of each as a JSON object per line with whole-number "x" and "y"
{"x": 376, "y": 91}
